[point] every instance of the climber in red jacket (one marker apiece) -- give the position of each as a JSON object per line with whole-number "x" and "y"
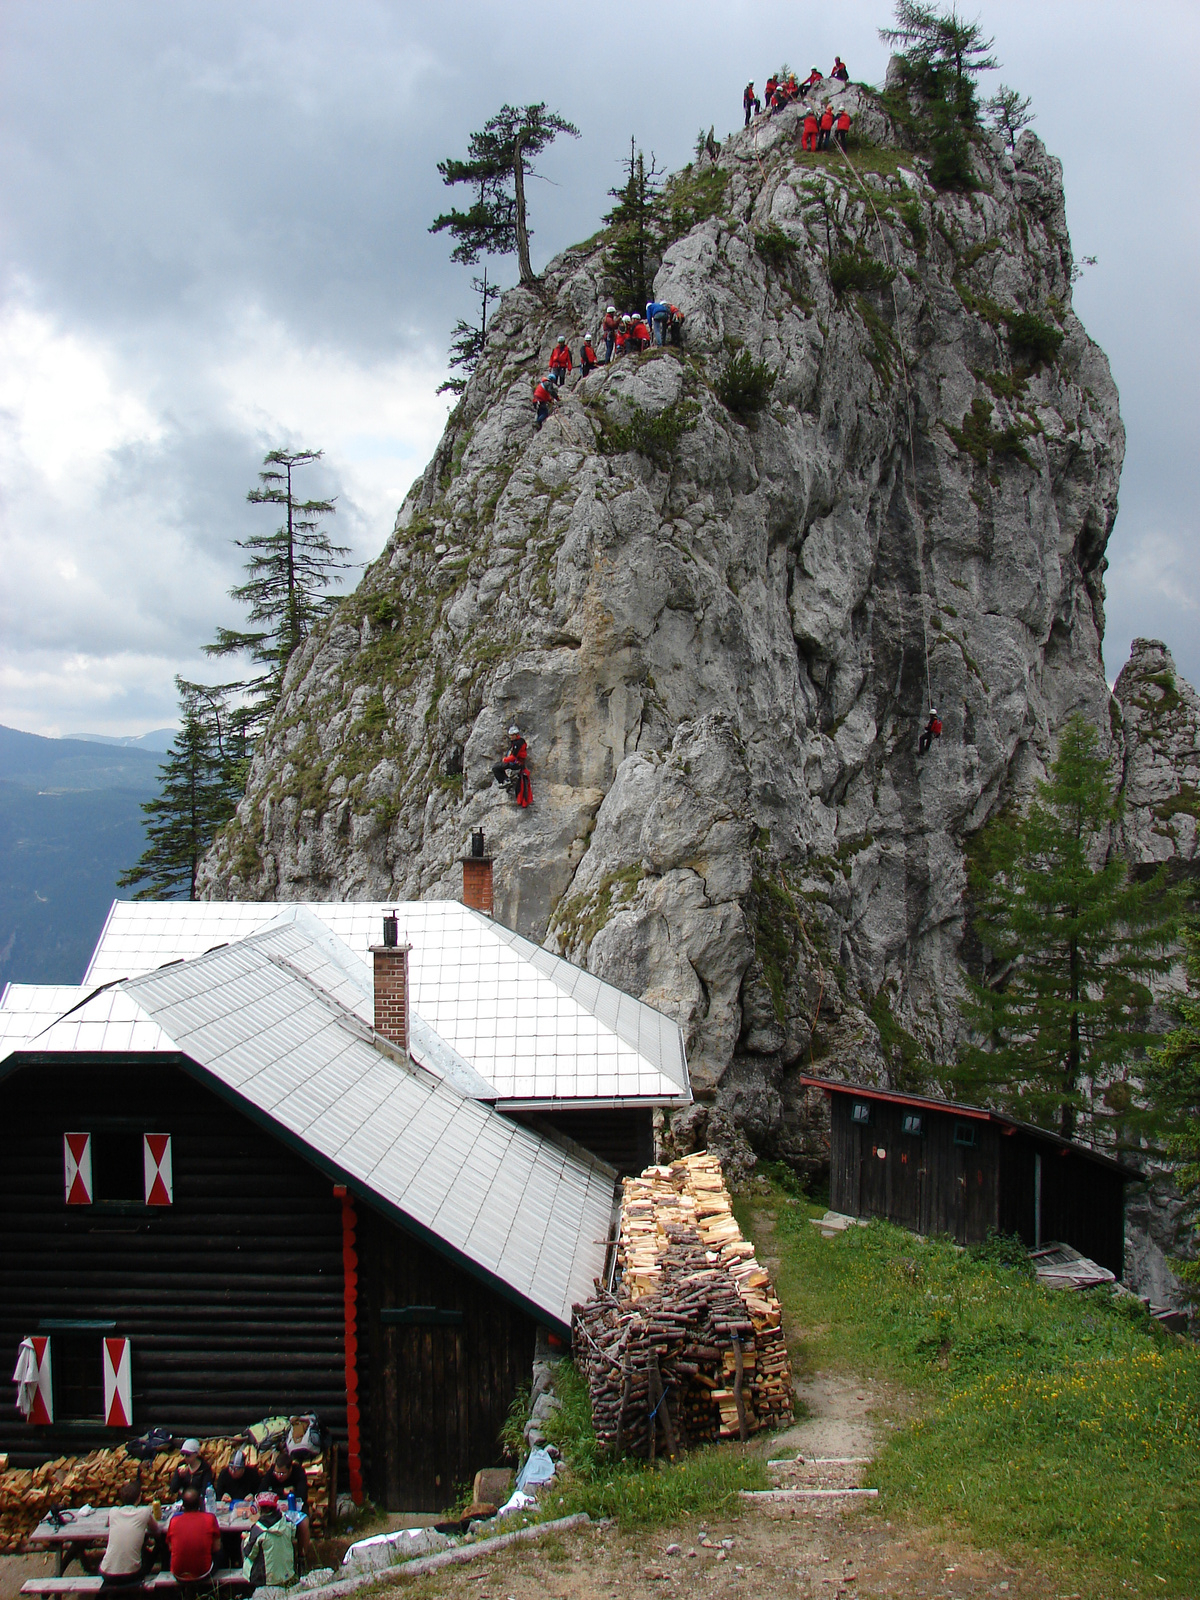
{"x": 826, "y": 128}
{"x": 511, "y": 772}
{"x": 931, "y": 731}
{"x": 840, "y": 70}
{"x": 809, "y": 141}
{"x": 543, "y": 398}
{"x": 843, "y": 127}
{"x": 814, "y": 78}
{"x": 587, "y": 356}
{"x": 639, "y": 336}
{"x": 560, "y": 360}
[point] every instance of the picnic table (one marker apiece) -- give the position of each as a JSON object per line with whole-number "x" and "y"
{"x": 89, "y": 1528}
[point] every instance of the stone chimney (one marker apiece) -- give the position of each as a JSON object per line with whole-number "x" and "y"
{"x": 477, "y": 876}
{"x": 391, "y": 984}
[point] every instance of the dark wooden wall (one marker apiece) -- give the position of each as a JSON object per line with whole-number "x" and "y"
{"x": 929, "y": 1184}
{"x": 924, "y": 1182}
{"x": 232, "y": 1296}
{"x": 623, "y": 1136}
{"x": 434, "y": 1390}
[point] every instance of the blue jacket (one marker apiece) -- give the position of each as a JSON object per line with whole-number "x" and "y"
{"x": 657, "y": 309}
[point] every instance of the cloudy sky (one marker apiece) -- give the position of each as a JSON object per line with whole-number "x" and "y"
{"x": 214, "y": 241}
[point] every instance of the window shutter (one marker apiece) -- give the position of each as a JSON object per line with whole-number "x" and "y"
{"x": 42, "y": 1414}
{"x": 77, "y": 1168}
{"x": 156, "y": 1162}
{"x": 118, "y": 1383}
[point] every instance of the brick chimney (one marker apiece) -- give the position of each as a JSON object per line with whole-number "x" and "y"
{"x": 477, "y": 876}
{"x": 391, "y": 984}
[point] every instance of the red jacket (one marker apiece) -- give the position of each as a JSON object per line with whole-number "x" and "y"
{"x": 541, "y": 395}
{"x": 813, "y": 77}
{"x": 516, "y": 755}
{"x": 560, "y": 356}
{"x": 843, "y": 121}
{"x": 827, "y": 118}
{"x": 588, "y": 354}
{"x": 810, "y": 122}
{"x": 610, "y": 322}
{"x": 641, "y": 331}
{"x": 770, "y": 88}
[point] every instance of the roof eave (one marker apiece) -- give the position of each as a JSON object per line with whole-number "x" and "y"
{"x": 583, "y": 1103}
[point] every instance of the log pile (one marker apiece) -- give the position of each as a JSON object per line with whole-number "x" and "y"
{"x": 690, "y": 1347}
{"x": 97, "y": 1479}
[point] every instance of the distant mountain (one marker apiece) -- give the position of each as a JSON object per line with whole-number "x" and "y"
{"x": 70, "y": 823}
{"x": 160, "y": 739}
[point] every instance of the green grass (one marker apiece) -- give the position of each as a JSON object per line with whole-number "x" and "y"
{"x": 705, "y": 1480}
{"x": 1059, "y": 1428}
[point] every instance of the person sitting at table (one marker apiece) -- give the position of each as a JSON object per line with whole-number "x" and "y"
{"x": 238, "y": 1481}
{"x": 269, "y": 1549}
{"x": 285, "y": 1474}
{"x": 194, "y": 1540}
{"x": 132, "y": 1532}
{"x": 193, "y": 1472}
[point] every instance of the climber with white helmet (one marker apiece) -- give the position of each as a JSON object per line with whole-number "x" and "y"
{"x": 587, "y": 356}
{"x": 609, "y": 328}
{"x": 511, "y": 771}
{"x": 931, "y": 731}
{"x": 560, "y": 360}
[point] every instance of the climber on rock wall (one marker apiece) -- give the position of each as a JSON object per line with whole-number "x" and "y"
{"x": 814, "y": 78}
{"x": 809, "y": 141}
{"x": 639, "y": 335}
{"x": 675, "y": 326}
{"x": 843, "y": 127}
{"x": 511, "y": 771}
{"x": 609, "y": 328}
{"x": 826, "y": 128}
{"x": 769, "y": 91}
{"x": 544, "y": 396}
{"x": 750, "y": 103}
{"x": 658, "y": 314}
{"x": 587, "y": 356}
{"x": 840, "y": 70}
{"x": 931, "y": 731}
{"x": 560, "y": 360}
{"x": 622, "y": 335}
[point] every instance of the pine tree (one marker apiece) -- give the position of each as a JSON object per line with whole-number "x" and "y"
{"x": 287, "y": 570}
{"x": 1008, "y": 113}
{"x": 198, "y": 793}
{"x": 942, "y": 54}
{"x": 1073, "y": 941}
{"x": 1172, "y": 1083}
{"x": 632, "y": 258}
{"x": 499, "y": 158}
{"x": 466, "y": 346}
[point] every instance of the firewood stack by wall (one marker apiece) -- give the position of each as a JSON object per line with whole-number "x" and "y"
{"x": 690, "y": 1345}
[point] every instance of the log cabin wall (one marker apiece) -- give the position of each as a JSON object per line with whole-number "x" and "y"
{"x": 232, "y": 1295}
{"x": 622, "y": 1136}
{"x": 441, "y": 1357}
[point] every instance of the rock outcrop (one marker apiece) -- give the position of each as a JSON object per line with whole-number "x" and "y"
{"x": 719, "y": 622}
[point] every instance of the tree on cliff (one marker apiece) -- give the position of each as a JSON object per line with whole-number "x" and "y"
{"x": 1073, "y": 939}
{"x": 1172, "y": 1083}
{"x": 637, "y": 223}
{"x": 499, "y": 158}
{"x": 1009, "y": 113}
{"x": 288, "y": 570}
{"x": 941, "y": 55}
{"x": 200, "y": 787}
{"x": 466, "y": 346}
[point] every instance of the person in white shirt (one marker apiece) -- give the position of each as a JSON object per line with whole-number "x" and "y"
{"x": 131, "y": 1533}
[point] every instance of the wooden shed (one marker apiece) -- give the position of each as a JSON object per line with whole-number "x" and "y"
{"x": 225, "y": 1196}
{"x": 937, "y": 1166}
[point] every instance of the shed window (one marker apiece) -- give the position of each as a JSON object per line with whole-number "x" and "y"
{"x": 966, "y": 1134}
{"x": 914, "y": 1123}
{"x": 860, "y": 1112}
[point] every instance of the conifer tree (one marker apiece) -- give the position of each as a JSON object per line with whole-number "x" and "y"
{"x": 1172, "y": 1085}
{"x": 288, "y": 570}
{"x": 1008, "y": 113}
{"x": 198, "y": 793}
{"x": 942, "y": 54}
{"x": 499, "y": 159}
{"x": 1073, "y": 941}
{"x": 466, "y": 346}
{"x": 632, "y": 258}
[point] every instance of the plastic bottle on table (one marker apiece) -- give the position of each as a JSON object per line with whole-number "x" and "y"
{"x": 210, "y": 1499}
{"x": 291, "y": 1500}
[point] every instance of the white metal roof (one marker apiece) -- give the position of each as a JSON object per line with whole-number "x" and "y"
{"x": 537, "y": 1029}
{"x": 526, "y": 1211}
{"x": 27, "y": 1008}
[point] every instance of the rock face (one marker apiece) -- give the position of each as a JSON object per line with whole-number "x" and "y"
{"x": 1160, "y": 726}
{"x": 720, "y": 627}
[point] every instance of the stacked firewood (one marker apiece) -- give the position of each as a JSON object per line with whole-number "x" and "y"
{"x": 97, "y": 1479}
{"x": 690, "y": 1347}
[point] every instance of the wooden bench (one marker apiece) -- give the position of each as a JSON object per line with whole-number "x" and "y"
{"x": 156, "y": 1583}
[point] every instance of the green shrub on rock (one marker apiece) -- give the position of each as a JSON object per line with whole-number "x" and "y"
{"x": 744, "y": 385}
{"x": 855, "y": 269}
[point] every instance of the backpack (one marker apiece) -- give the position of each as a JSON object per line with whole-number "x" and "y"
{"x": 268, "y": 1433}
{"x": 304, "y": 1437}
{"x": 149, "y": 1445}
{"x": 271, "y": 1556}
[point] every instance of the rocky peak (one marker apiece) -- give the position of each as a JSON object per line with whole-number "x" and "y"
{"x": 1160, "y": 726}
{"x": 717, "y": 594}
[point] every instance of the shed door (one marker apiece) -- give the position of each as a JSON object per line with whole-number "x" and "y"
{"x": 427, "y": 1445}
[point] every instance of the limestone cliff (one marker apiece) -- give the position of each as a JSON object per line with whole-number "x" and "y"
{"x": 713, "y": 621}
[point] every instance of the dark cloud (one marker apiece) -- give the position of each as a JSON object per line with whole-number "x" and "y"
{"x": 215, "y": 223}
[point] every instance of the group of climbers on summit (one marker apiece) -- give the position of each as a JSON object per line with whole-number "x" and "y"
{"x": 621, "y": 334}
{"x": 780, "y": 91}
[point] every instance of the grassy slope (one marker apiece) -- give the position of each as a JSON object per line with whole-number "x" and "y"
{"x": 1052, "y": 1425}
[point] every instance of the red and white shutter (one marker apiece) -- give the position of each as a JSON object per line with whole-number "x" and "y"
{"x": 118, "y": 1384}
{"x": 77, "y": 1168}
{"x": 42, "y": 1413}
{"x": 156, "y": 1163}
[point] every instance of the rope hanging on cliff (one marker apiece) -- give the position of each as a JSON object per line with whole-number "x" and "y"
{"x": 911, "y": 494}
